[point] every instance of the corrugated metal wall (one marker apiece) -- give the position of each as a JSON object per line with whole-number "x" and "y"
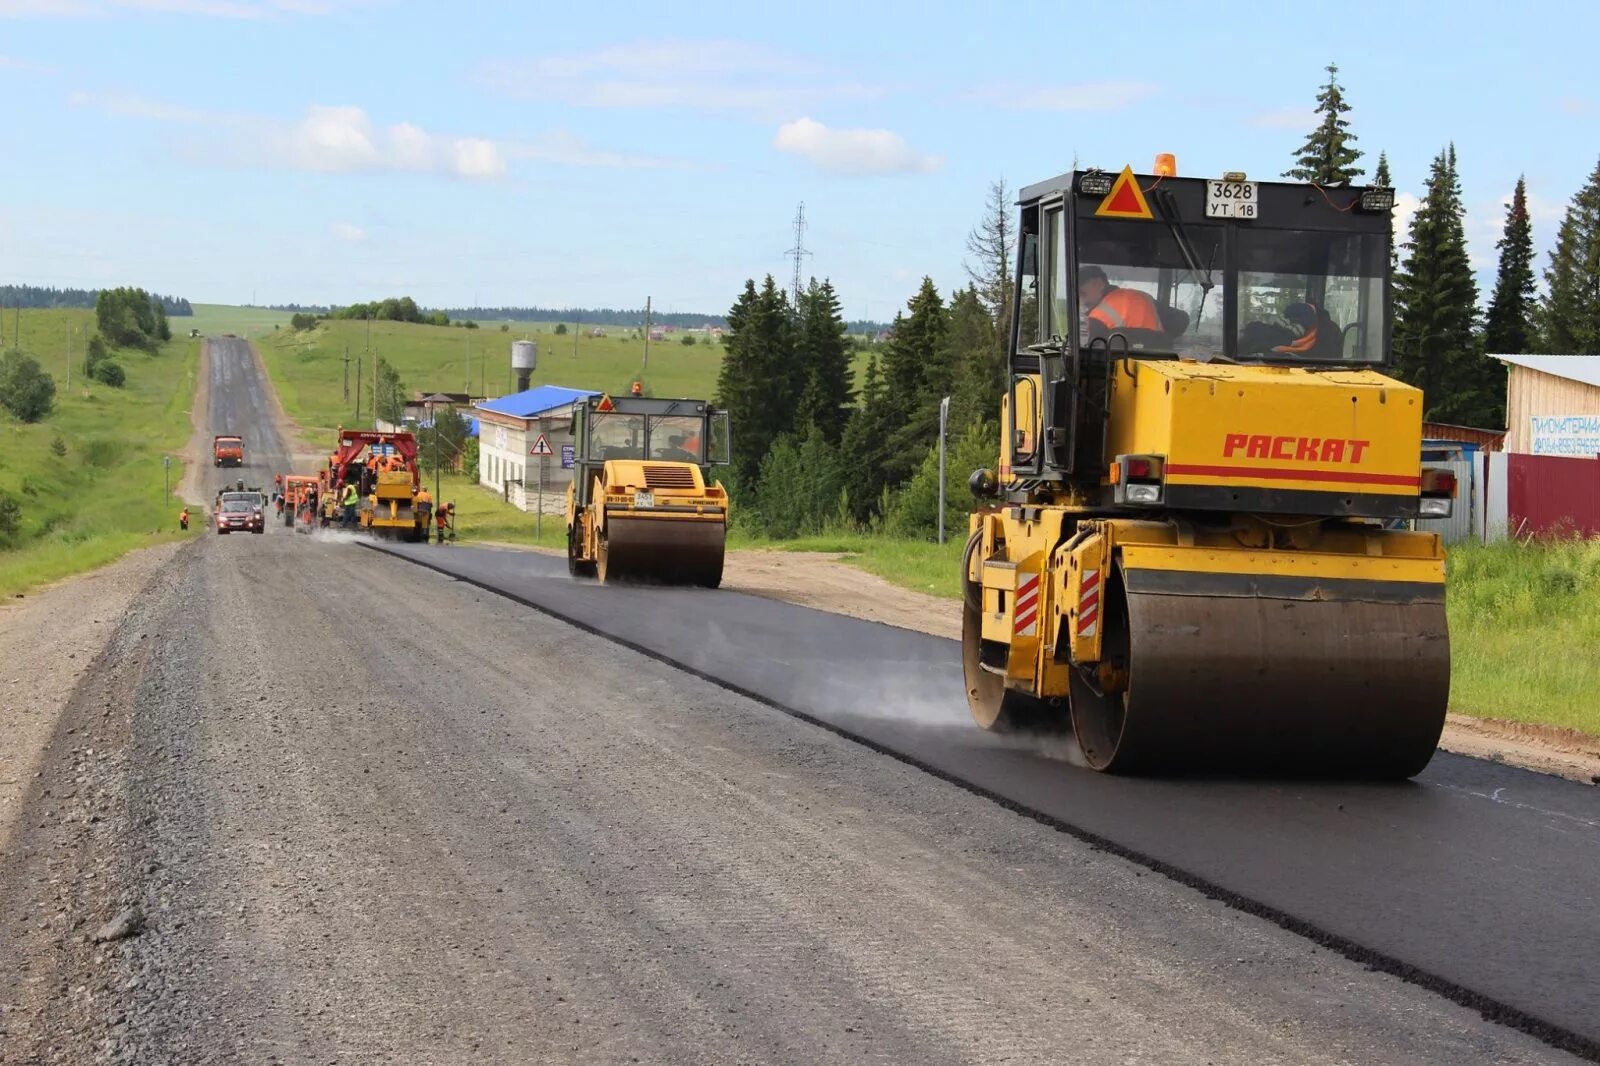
{"x": 1553, "y": 494}
{"x": 1530, "y": 393}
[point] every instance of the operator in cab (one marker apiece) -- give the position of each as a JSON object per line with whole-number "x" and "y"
{"x": 1116, "y": 310}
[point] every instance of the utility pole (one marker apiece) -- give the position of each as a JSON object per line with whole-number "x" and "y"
{"x": 647, "y": 333}
{"x": 69, "y": 358}
{"x": 576, "y": 330}
{"x": 347, "y": 373}
{"x": 799, "y": 250}
{"x": 944, "y": 418}
{"x": 359, "y": 364}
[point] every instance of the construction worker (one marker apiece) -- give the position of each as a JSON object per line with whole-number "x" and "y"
{"x": 349, "y": 500}
{"x": 1319, "y": 334}
{"x": 183, "y": 519}
{"x": 442, "y": 516}
{"x": 637, "y": 388}
{"x": 1113, "y": 310}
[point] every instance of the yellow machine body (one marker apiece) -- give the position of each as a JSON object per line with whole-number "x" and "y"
{"x": 650, "y": 521}
{"x": 1224, "y": 575}
{"x": 389, "y": 510}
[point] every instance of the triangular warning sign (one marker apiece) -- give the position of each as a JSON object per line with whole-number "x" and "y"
{"x": 541, "y": 447}
{"x": 605, "y": 403}
{"x": 1125, "y": 200}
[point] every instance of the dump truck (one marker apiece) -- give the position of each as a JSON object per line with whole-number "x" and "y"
{"x": 227, "y": 450}
{"x": 640, "y": 506}
{"x": 1194, "y": 546}
{"x": 383, "y": 468}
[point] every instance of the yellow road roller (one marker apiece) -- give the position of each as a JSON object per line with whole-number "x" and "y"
{"x": 1198, "y": 547}
{"x": 641, "y": 507}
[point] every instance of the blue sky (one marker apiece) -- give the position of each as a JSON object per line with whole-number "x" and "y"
{"x": 594, "y": 154}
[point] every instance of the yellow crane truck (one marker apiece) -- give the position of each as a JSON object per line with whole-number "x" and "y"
{"x": 640, "y": 506}
{"x": 1196, "y": 546}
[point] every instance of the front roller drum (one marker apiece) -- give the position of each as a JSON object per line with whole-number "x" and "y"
{"x": 1214, "y": 673}
{"x": 662, "y": 551}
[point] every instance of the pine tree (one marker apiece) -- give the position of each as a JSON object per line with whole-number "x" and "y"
{"x": 1569, "y": 317}
{"x": 758, "y": 382}
{"x": 865, "y": 445}
{"x": 1329, "y": 155}
{"x": 976, "y": 355}
{"x": 824, "y": 354}
{"x": 1436, "y": 307}
{"x": 1380, "y": 178}
{"x": 917, "y": 375}
{"x": 1509, "y": 329}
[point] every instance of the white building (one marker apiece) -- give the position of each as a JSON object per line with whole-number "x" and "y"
{"x": 509, "y": 451}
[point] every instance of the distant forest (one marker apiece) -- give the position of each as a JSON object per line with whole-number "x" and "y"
{"x": 39, "y": 296}
{"x": 611, "y": 316}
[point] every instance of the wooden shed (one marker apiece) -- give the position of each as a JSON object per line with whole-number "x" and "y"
{"x": 1553, "y": 404}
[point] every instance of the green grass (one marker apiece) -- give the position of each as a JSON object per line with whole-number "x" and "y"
{"x": 104, "y": 496}
{"x": 481, "y": 515}
{"x": 1524, "y": 632}
{"x": 308, "y": 367}
{"x": 213, "y": 320}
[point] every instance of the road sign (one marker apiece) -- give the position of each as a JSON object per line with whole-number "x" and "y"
{"x": 569, "y": 456}
{"x": 541, "y": 447}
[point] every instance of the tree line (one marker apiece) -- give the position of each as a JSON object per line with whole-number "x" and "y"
{"x": 819, "y": 446}
{"x": 392, "y": 309}
{"x": 41, "y": 296}
{"x": 1442, "y": 339}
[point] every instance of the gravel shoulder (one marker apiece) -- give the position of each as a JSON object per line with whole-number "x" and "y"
{"x": 471, "y": 833}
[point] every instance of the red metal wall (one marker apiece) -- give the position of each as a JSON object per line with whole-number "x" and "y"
{"x": 1553, "y": 494}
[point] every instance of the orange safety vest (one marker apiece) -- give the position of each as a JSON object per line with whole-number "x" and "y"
{"x": 1303, "y": 343}
{"x": 1127, "y": 309}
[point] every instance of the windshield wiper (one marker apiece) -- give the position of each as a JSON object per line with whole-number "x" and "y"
{"x": 1180, "y": 234}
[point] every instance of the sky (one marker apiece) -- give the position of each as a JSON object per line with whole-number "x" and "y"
{"x": 485, "y": 153}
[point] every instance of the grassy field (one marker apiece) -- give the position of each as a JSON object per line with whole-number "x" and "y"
{"x": 215, "y": 319}
{"x": 1524, "y": 629}
{"x": 308, "y": 367}
{"x": 104, "y": 495}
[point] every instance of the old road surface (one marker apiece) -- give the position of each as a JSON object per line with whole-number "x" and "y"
{"x": 356, "y": 810}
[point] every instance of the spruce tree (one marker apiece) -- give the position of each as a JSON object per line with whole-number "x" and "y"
{"x": 976, "y": 355}
{"x": 1436, "y": 307}
{"x": 1380, "y": 178}
{"x": 757, "y": 383}
{"x": 1569, "y": 317}
{"x": 1329, "y": 155}
{"x": 1509, "y": 328}
{"x": 865, "y": 446}
{"x": 916, "y": 376}
{"x": 824, "y": 354}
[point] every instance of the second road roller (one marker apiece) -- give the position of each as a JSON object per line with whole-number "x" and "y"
{"x": 1198, "y": 546}
{"x": 641, "y": 506}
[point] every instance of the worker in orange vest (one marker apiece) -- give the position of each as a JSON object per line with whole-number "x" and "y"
{"x": 1114, "y": 310}
{"x": 637, "y": 389}
{"x": 1319, "y": 333}
{"x": 183, "y": 519}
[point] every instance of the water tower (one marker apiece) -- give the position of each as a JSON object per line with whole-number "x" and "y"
{"x": 524, "y": 360}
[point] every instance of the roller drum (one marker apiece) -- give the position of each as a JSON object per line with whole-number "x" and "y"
{"x": 662, "y": 551}
{"x": 1323, "y": 681}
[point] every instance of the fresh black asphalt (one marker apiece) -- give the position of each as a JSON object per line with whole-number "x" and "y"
{"x": 1478, "y": 880}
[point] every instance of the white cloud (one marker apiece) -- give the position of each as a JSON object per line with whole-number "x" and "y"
{"x": 852, "y": 152}
{"x": 1082, "y": 96}
{"x": 1578, "y": 107}
{"x": 1285, "y": 118}
{"x": 348, "y": 232}
{"x": 344, "y": 140}
{"x": 1405, "y": 205}
{"x": 697, "y": 75}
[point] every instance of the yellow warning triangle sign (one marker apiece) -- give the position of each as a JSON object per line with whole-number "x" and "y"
{"x": 1125, "y": 200}
{"x": 605, "y": 403}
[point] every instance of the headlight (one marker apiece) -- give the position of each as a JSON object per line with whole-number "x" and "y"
{"x": 1142, "y": 493}
{"x": 1435, "y": 506}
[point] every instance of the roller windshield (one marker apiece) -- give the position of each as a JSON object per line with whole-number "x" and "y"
{"x": 1135, "y": 279}
{"x": 1310, "y": 296}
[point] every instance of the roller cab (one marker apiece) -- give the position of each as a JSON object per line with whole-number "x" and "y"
{"x": 1194, "y": 551}
{"x": 641, "y": 507}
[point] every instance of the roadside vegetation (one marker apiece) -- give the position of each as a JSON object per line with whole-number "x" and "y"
{"x": 82, "y": 483}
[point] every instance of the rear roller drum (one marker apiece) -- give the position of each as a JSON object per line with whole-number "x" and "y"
{"x": 577, "y": 565}
{"x": 995, "y": 707}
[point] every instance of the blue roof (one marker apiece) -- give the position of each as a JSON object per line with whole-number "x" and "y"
{"x": 535, "y": 401}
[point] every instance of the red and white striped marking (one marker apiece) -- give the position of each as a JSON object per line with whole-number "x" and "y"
{"x": 1089, "y": 604}
{"x": 1027, "y": 610}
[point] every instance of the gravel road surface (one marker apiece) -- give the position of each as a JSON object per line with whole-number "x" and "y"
{"x": 317, "y": 804}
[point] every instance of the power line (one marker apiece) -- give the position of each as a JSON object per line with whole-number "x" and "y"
{"x": 799, "y": 250}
